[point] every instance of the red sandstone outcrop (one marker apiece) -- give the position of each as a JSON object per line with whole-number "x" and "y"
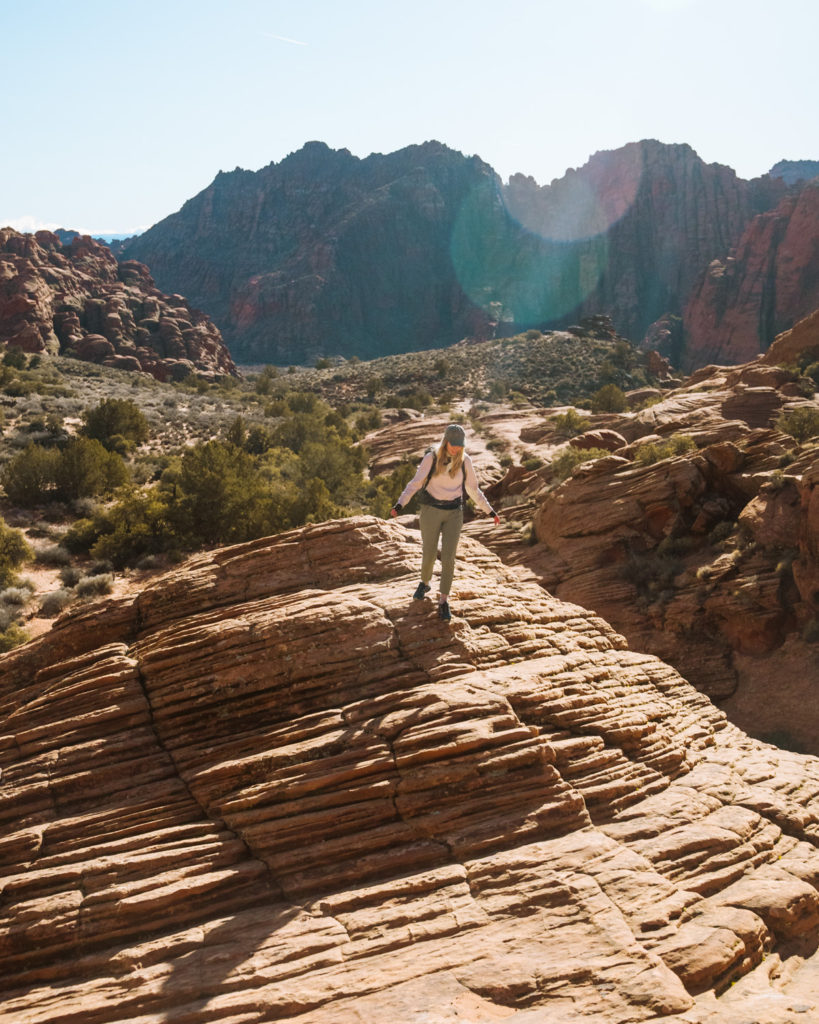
{"x": 271, "y": 786}
{"x": 77, "y": 298}
{"x": 769, "y": 283}
{"x": 708, "y": 558}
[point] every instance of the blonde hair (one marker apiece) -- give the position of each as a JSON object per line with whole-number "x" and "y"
{"x": 444, "y": 461}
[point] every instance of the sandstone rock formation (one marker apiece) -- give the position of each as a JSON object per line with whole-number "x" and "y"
{"x": 77, "y": 298}
{"x": 763, "y": 288}
{"x": 707, "y": 558}
{"x": 272, "y": 787}
{"x": 324, "y": 253}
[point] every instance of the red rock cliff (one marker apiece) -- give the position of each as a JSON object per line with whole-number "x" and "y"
{"x": 770, "y": 282}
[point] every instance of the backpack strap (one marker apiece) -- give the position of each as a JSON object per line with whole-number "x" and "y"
{"x": 431, "y": 473}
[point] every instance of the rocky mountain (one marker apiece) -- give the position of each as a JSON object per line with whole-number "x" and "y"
{"x": 767, "y": 283}
{"x": 793, "y": 171}
{"x": 325, "y": 253}
{"x": 76, "y": 298}
{"x": 270, "y": 786}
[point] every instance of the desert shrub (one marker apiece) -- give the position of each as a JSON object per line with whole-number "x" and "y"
{"x": 15, "y": 357}
{"x": 70, "y": 575}
{"x": 652, "y": 573}
{"x": 383, "y": 492}
{"x": 570, "y": 423}
{"x": 12, "y": 636}
{"x": 679, "y": 444}
{"x": 15, "y": 596}
{"x": 303, "y": 401}
{"x": 258, "y": 440}
{"x": 222, "y": 497}
{"x": 531, "y": 462}
{"x": 367, "y": 421}
{"x": 409, "y": 398}
{"x": 118, "y": 418}
{"x": 722, "y": 531}
{"x": 137, "y": 524}
{"x": 565, "y": 462}
{"x": 336, "y": 464}
{"x": 53, "y": 603}
{"x": 94, "y": 586}
{"x": 610, "y": 398}
{"x": 82, "y": 533}
{"x": 85, "y": 468}
{"x": 14, "y": 550}
{"x": 99, "y": 567}
{"x": 80, "y": 469}
{"x": 802, "y": 423}
{"x": 28, "y": 478}
{"x": 53, "y": 554}
{"x": 264, "y": 382}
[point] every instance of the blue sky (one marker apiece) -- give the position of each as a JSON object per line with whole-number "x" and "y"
{"x": 114, "y": 113}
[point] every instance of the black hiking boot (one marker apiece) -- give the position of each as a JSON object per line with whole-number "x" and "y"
{"x": 443, "y": 611}
{"x": 421, "y": 591}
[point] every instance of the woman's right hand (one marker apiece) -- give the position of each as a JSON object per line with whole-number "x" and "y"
{"x": 393, "y": 511}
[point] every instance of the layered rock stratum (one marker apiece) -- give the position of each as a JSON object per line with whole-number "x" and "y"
{"x": 76, "y": 299}
{"x": 270, "y": 786}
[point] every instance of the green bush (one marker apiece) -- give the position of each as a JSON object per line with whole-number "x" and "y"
{"x": 138, "y": 524}
{"x": 12, "y": 636}
{"x": 13, "y": 552}
{"x": 565, "y": 462}
{"x": 116, "y": 418}
{"x": 94, "y": 586}
{"x": 85, "y": 468}
{"x": 610, "y": 398}
{"x": 383, "y": 492}
{"x": 53, "y": 603}
{"x": 28, "y": 478}
{"x": 802, "y": 423}
{"x": 367, "y": 421}
{"x": 80, "y": 469}
{"x": 570, "y": 423}
{"x": 656, "y": 451}
{"x": 15, "y": 357}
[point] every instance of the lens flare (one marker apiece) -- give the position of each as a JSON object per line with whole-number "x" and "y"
{"x": 530, "y": 256}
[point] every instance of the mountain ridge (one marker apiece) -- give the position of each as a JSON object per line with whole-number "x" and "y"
{"x": 327, "y": 253}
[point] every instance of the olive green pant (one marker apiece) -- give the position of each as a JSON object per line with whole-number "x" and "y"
{"x": 443, "y": 523}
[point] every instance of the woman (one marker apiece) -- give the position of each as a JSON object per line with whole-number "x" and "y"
{"x": 441, "y": 478}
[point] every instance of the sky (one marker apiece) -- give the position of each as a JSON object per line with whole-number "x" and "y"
{"x": 113, "y": 113}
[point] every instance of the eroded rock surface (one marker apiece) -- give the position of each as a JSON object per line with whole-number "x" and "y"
{"x": 707, "y": 557}
{"x": 76, "y": 298}
{"x": 272, "y": 786}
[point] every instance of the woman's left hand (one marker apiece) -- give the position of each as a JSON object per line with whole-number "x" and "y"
{"x": 497, "y": 519}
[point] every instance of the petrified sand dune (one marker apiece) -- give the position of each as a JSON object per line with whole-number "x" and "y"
{"x": 273, "y": 787}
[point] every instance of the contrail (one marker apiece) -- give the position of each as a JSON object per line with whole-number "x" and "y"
{"x": 285, "y": 39}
